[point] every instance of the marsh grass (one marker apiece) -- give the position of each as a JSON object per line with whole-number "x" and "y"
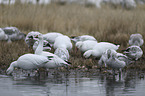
{"x": 105, "y": 24}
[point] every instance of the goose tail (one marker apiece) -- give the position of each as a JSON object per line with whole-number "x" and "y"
{"x": 118, "y": 46}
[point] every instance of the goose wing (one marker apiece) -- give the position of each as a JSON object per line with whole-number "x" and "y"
{"x": 37, "y": 60}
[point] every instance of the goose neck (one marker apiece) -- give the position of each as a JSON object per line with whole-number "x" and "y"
{"x": 39, "y": 48}
{"x": 14, "y": 64}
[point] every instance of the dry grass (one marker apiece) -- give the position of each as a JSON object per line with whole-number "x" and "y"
{"x": 105, "y": 24}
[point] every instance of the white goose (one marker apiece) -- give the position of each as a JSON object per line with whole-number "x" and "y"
{"x": 114, "y": 62}
{"x": 62, "y": 45}
{"x": 39, "y": 51}
{"x": 136, "y": 39}
{"x": 32, "y": 41}
{"x": 3, "y": 36}
{"x": 62, "y": 53}
{"x": 46, "y": 45}
{"x": 30, "y": 38}
{"x": 14, "y": 33}
{"x": 82, "y": 38}
{"x": 134, "y": 52}
{"x": 28, "y": 62}
{"x": 84, "y": 46}
{"x": 50, "y": 37}
{"x": 33, "y": 61}
{"x": 105, "y": 56}
{"x": 99, "y": 48}
{"x": 63, "y": 42}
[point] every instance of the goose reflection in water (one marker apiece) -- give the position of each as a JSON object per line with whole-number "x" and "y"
{"x": 126, "y": 86}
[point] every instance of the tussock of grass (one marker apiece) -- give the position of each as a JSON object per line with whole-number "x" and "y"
{"x": 105, "y": 24}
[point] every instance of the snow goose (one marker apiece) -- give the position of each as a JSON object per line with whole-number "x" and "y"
{"x": 99, "y": 48}
{"x": 39, "y": 51}
{"x": 14, "y": 33}
{"x": 62, "y": 45}
{"x": 85, "y": 45}
{"x": 97, "y": 3}
{"x": 82, "y": 38}
{"x": 136, "y": 39}
{"x": 46, "y": 45}
{"x": 32, "y": 41}
{"x": 105, "y": 56}
{"x": 63, "y": 42}
{"x": 62, "y": 53}
{"x": 3, "y": 36}
{"x": 30, "y": 38}
{"x": 33, "y": 61}
{"x": 134, "y": 52}
{"x": 50, "y": 37}
{"x": 28, "y": 62}
{"x": 114, "y": 62}
{"x": 129, "y": 4}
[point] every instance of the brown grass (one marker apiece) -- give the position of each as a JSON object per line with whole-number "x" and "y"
{"x": 105, "y": 24}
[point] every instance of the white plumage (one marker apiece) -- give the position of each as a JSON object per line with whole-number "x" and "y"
{"x": 14, "y": 33}
{"x": 136, "y": 39}
{"x": 99, "y": 48}
{"x": 106, "y": 55}
{"x": 97, "y": 3}
{"x": 32, "y": 41}
{"x": 83, "y": 38}
{"x": 46, "y": 45}
{"x": 37, "y": 60}
{"x": 125, "y": 3}
{"x": 62, "y": 53}
{"x": 130, "y": 3}
{"x": 33, "y": 61}
{"x": 39, "y": 51}
{"x": 62, "y": 45}
{"x": 114, "y": 62}
{"x": 3, "y": 36}
{"x": 85, "y": 45}
{"x": 63, "y": 42}
{"x": 50, "y": 37}
{"x": 30, "y": 38}
{"x": 134, "y": 52}
{"x": 28, "y": 62}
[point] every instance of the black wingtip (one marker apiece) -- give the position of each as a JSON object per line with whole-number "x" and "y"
{"x": 49, "y": 57}
{"x": 68, "y": 62}
{"x": 126, "y": 50}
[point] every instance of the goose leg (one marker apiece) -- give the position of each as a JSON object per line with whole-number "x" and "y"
{"x": 120, "y": 72}
{"x": 113, "y": 70}
{"x": 47, "y": 70}
{"x": 29, "y": 72}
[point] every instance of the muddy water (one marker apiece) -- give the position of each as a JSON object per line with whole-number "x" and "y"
{"x": 73, "y": 83}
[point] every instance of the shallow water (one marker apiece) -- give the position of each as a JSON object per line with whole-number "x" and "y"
{"x": 73, "y": 83}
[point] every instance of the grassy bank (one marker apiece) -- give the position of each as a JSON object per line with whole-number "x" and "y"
{"x": 105, "y": 24}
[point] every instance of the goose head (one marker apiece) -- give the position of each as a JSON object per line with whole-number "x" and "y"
{"x": 39, "y": 36}
{"x": 108, "y": 53}
{"x": 79, "y": 44}
{"x": 11, "y": 68}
